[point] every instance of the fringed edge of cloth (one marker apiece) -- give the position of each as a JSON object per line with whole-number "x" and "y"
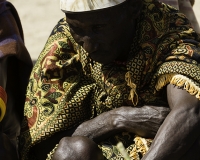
{"x": 143, "y": 145}
{"x": 180, "y": 81}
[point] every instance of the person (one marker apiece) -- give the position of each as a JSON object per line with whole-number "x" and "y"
{"x": 15, "y": 68}
{"x": 115, "y": 71}
{"x": 186, "y": 7}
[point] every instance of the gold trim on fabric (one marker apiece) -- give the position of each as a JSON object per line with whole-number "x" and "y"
{"x": 180, "y": 81}
{"x": 133, "y": 96}
{"x": 141, "y": 145}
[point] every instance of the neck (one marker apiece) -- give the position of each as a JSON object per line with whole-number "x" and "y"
{"x": 124, "y": 55}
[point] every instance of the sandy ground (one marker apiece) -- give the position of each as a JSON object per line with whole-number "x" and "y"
{"x": 38, "y": 18}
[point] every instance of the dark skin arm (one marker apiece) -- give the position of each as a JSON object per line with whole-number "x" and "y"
{"x": 143, "y": 121}
{"x": 180, "y": 129}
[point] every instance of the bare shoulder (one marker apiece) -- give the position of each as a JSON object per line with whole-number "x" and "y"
{"x": 179, "y": 97}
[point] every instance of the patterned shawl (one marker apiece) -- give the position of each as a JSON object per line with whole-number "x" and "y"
{"x": 66, "y": 87}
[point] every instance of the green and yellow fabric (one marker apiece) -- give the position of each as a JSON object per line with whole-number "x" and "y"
{"x": 66, "y": 87}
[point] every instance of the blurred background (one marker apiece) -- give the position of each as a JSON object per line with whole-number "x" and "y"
{"x": 38, "y": 18}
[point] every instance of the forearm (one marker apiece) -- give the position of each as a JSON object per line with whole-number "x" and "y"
{"x": 175, "y": 136}
{"x": 179, "y": 130}
{"x": 99, "y": 127}
{"x": 143, "y": 121}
